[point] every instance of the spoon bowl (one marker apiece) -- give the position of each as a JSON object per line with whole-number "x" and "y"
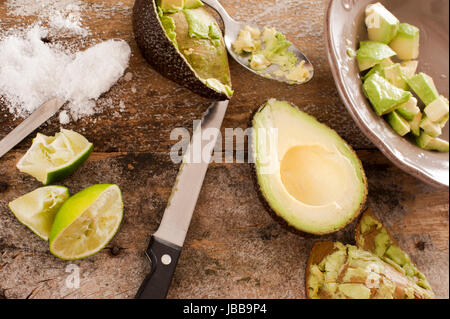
{"x": 232, "y": 29}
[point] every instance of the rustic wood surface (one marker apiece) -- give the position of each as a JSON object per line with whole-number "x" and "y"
{"x": 234, "y": 247}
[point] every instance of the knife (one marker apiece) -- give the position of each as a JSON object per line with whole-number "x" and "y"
{"x": 166, "y": 244}
{"x": 39, "y": 116}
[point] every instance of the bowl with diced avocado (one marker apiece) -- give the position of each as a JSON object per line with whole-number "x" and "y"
{"x": 390, "y": 61}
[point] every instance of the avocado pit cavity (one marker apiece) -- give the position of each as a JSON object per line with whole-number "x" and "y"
{"x": 313, "y": 175}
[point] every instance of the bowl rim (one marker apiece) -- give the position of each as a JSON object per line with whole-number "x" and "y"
{"x": 372, "y": 136}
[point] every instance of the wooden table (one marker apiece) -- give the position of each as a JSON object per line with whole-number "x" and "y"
{"x": 234, "y": 247}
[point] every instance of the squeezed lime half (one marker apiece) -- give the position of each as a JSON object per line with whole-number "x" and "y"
{"x": 86, "y": 222}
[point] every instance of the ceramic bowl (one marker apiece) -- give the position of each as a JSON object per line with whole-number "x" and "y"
{"x": 345, "y": 27}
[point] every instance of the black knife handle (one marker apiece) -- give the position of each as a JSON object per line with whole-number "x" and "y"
{"x": 164, "y": 258}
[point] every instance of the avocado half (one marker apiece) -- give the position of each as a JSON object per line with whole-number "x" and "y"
{"x": 203, "y": 74}
{"x": 305, "y": 171}
{"x": 338, "y": 271}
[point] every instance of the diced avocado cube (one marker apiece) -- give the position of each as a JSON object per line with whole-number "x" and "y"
{"x": 192, "y": 4}
{"x": 371, "y": 53}
{"x": 409, "y": 68}
{"x": 406, "y": 42}
{"x": 398, "y": 123}
{"x": 437, "y": 110}
{"x": 382, "y": 25}
{"x": 423, "y": 85}
{"x": 428, "y": 142}
{"x": 394, "y": 74}
{"x": 429, "y": 127}
{"x": 171, "y": 5}
{"x": 415, "y": 124}
{"x": 409, "y": 109}
{"x": 384, "y": 97}
{"x": 386, "y": 62}
{"x": 444, "y": 121}
{"x": 379, "y": 69}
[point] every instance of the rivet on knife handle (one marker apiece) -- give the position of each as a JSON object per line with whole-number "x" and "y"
{"x": 164, "y": 258}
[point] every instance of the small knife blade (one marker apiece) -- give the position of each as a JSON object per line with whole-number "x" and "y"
{"x": 166, "y": 244}
{"x": 39, "y": 116}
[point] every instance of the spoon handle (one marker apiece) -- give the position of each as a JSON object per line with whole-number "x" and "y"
{"x": 227, "y": 19}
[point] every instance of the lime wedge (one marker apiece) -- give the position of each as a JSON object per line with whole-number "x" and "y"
{"x": 86, "y": 222}
{"x": 51, "y": 158}
{"x": 37, "y": 209}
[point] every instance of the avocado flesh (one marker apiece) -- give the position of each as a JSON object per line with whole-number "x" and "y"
{"x": 429, "y": 127}
{"x": 170, "y": 5}
{"x": 198, "y": 38}
{"x": 307, "y": 174}
{"x": 382, "y": 25}
{"x": 415, "y": 124}
{"x": 193, "y": 4}
{"x": 394, "y": 74}
{"x": 372, "y": 236}
{"x": 384, "y": 96}
{"x": 398, "y": 123}
{"x": 430, "y": 143}
{"x": 338, "y": 271}
{"x": 268, "y": 48}
{"x": 407, "y": 41}
{"x": 371, "y": 53}
{"x": 437, "y": 110}
{"x": 423, "y": 85}
{"x": 409, "y": 110}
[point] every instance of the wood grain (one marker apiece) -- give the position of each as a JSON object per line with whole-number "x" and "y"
{"x": 234, "y": 247}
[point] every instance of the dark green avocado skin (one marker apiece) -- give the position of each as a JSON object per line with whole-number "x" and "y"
{"x": 161, "y": 54}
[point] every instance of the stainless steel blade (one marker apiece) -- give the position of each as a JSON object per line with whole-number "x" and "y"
{"x": 39, "y": 116}
{"x": 178, "y": 214}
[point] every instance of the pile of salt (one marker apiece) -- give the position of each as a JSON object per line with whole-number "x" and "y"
{"x": 32, "y": 72}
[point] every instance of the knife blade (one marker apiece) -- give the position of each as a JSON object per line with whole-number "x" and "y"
{"x": 39, "y": 116}
{"x": 166, "y": 243}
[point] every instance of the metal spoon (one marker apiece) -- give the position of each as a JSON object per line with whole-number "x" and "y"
{"x": 232, "y": 29}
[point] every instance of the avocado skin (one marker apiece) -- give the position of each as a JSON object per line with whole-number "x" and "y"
{"x": 162, "y": 55}
{"x": 274, "y": 214}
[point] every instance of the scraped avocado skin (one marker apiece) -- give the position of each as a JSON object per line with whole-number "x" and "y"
{"x": 372, "y": 236}
{"x": 306, "y": 173}
{"x": 338, "y": 271}
{"x": 158, "y": 41}
{"x": 200, "y": 41}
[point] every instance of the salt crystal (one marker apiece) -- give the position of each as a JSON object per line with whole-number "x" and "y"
{"x": 61, "y": 15}
{"x": 122, "y": 106}
{"x": 32, "y": 72}
{"x": 64, "y": 117}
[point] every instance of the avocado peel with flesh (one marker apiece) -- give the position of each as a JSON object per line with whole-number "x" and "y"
{"x": 338, "y": 271}
{"x": 372, "y": 236}
{"x": 163, "y": 52}
{"x": 306, "y": 173}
